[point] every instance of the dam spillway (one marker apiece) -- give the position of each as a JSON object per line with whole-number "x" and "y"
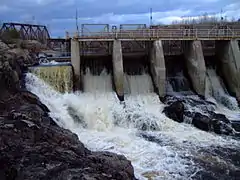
{"x": 154, "y": 56}
{"x": 59, "y": 76}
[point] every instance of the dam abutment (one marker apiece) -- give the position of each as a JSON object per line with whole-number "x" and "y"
{"x": 76, "y": 63}
{"x": 195, "y": 65}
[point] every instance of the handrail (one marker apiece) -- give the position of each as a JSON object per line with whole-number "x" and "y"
{"x": 163, "y": 33}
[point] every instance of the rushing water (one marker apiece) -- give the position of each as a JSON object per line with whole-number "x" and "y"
{"x": 158, "y": 147}
{"x": 94, "y": 83}
{"x": 217, "y": 90}
{"x": 137, "y": 84}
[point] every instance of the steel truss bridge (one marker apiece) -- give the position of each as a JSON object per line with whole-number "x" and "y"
{"x": 27, "y": 31}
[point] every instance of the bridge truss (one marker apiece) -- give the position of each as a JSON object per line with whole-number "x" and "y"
{"x": 27, "y": 31}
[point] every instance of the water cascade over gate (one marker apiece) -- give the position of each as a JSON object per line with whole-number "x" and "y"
{"x": 59, "y": 76}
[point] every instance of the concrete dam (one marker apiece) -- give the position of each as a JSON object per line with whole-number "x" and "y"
{"x": 193, "y": 62}
{"x": 158, "y": 53}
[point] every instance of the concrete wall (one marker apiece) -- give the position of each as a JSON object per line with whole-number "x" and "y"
{"x": 75, "y": 60}
{"x": 229, "y": 55}
{"x": 118, "y": 68}
{"x": 157, "y": 65}
{"x": 196, "y": 65}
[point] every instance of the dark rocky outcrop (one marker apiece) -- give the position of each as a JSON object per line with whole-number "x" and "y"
{"x": 217, "y": 123}
{"x": 236, "y": 125}
{"x": 202, "y": 122}
{"x": 33, "y": 146}
{"x": 175, "y": 111}
{"x": 179, "y": 109}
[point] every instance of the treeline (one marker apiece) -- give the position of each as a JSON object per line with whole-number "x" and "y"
{"x": 205, "y": 19}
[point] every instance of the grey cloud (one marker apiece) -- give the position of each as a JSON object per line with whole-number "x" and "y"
{"x": 60, "y": 14}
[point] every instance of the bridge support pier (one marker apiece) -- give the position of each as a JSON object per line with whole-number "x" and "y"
{"x": 229, "y": 54}
{"x": 118, "y": 73}
{"x": 157, "y": 65}
{"x": 76, "y": 62}
{"x": 196, "y": 65}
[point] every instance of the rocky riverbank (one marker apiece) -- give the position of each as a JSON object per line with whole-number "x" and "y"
{"x": 32, "y": 145}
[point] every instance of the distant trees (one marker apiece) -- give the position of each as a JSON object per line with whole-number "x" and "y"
{"x": 10, "y": 35}
{"x": 204, "y": 19}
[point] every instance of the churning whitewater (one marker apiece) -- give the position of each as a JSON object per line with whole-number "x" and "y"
{"x": 158, "y": 147}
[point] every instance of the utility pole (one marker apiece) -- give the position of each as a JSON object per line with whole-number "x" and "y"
{"x": 77, "y": 22}
{"x": 221, "y": 15}
{"x": 150, "y": 16}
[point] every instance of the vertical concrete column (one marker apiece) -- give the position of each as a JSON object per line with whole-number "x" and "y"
{"x": 75, "y": 60}
{"x": 229, "y": 55}
{"x": 118, "y": 74}
{"x": 158, "y": 70}
{"x": 196, "y": 65}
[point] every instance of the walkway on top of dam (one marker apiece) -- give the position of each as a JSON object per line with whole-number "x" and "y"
{"x": 172, "y": 32}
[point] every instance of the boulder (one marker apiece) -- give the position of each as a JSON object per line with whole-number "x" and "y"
{"x": 9, "y": 77}
{"x": 175, "y": 111}
{"x": 236, "y": 125}
{"x": 215, "y": 122}
{"x": 202, "y": 122}
{"x": 3, "y": 47}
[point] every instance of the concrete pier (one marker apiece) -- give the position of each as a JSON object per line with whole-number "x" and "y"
{"x": 76, "y": 62}
{"x": 229, "y": 55}
{"x": 157, "y": 65}
{"x": 118, "y": 74}
{"x": 196, "y": 65}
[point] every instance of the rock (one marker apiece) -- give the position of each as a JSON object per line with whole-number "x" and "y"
{"x": 32, "y": 45}
{"x": 175, "y": 111}
{"x": 38, "y": 151}
{"x": 220, "y": 117}
{"x": 202, "y": 122}
{"x": 3, "y": 47}
{"x": 236, "y": 125}
{"x": 221, "y": 124}
{"x": 24, "y": 55}
{"x": 33, "y": 99}
{"x": 217, "y": 123}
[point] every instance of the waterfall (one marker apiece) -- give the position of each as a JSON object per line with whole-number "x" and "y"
{"x": 60, "y": 77}
{"x": 177, "y": 84}
{"x": 97, "y": 83}
{"x": 216, "y": 88}
{"x": 138, "y": 84}
{"x": 157, "y": 147}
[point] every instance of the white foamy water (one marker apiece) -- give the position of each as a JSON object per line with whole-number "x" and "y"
{"x": 93, "y": 83}
{"x": 137, "y": 84}
{"x": 216, "y": 89}
{"x": 103, "y": 123}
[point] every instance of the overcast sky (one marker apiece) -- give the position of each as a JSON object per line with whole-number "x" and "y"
{"x": 59, "y": 15}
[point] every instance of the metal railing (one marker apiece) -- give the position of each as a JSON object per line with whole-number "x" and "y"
{"x": 146, "y": 34}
